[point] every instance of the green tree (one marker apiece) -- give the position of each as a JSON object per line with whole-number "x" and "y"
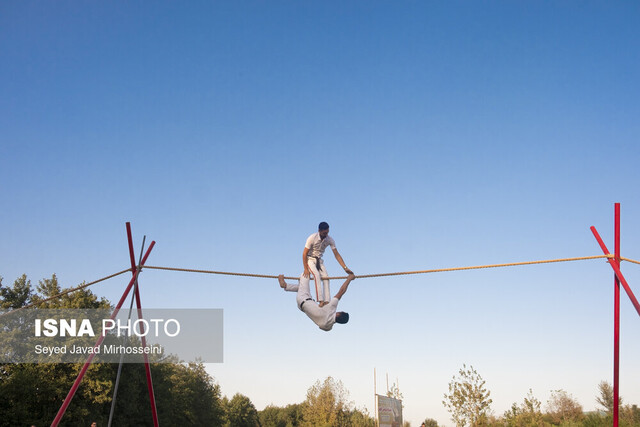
{"x": 18, "y": 295}
{"x": 528, "y": 414}
{"x": 82, "y": 298}
{"x": 468, "y": 400}
{"x": 274, "y": 416}
{"x": 605, "y": 396}
{"x": 361, "y": 418}
{"x": 597, "y": 419}
{"x": 326, "y": 404}
{"x": 240, "y": 412}
{"x": 430, "y": 422}
{"x": 196, "y": 395}
{"x": 563, "y": 408}
{"x": 32, "y": 393}
{"x": 630, "y": 415}
{"x": 395, "y": 393}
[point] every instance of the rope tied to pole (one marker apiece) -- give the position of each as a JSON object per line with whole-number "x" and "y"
{"x": 401, "y": 273}
{"x": 363, "y": 276}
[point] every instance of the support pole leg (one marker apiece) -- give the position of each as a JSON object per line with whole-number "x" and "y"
{"x": 136, "y": 292}
{"x": 616, "y": 321}
{"x": 147, "y": 367}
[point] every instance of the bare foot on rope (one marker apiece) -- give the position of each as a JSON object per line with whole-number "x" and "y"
{"x": 283, "y": 284}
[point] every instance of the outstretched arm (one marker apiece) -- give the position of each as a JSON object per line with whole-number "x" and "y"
{"x": 341, "y": 261}
{"x": 345, "y": 286}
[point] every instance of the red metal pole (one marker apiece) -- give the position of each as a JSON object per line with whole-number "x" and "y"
{"x": 78, "y": 380}
{"x": 147, "y": 368}
{"x": 613, "y": 265}
{"x": 130, "y": 242}
{"x": 152, "y": 398}
{"x": 616, "y": 321}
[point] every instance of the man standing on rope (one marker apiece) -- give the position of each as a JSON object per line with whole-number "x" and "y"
{"x": 324, "y": 316}
{"x": 312, "y": 261}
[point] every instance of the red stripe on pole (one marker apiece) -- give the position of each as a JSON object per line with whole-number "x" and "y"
{"x": 78, "y": 380}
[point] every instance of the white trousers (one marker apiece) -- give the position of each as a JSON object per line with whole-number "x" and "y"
{"x": 323, "y": 292}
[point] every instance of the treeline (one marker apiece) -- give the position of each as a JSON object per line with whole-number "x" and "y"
{"x": 31, "y": 394}
{"x": 469, "y": 402}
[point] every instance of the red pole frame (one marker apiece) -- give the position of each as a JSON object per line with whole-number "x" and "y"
{"x": 76, "y": 384}
{"x": 147, "y": 368}
{"x": 618, "y": 279}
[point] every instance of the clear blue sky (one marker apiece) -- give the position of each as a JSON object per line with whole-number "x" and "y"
{"x": 428, "y": 134}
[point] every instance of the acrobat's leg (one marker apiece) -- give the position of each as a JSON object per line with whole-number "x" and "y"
{"x": 311, "y": 262}
{"x": 325, "y": 284}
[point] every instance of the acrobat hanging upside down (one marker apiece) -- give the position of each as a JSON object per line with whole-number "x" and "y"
{"x": 324, "y": 316}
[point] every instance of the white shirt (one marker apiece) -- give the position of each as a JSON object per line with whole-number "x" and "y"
{"x": 317, "y": 245}
{"x": 324, "y": 317}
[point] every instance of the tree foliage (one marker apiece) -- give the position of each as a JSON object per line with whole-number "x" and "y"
{"x": 18, "y": 295}
{"x": 468, "y": 400}
{"x": 327, "y": 404}
{"x": 31, "y": 394}
{"x": 289, "y": 416}
{"x": 240, "y": 412}
{"x": 394, "y": 392}
{"x": 563, "y": 408}
{"x": 527, "y": 414}
{"x": 605, "y": 396}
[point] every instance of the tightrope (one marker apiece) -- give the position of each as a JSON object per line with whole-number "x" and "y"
{"x": 363, "y": 276}
{"x": 401, "y": 273}
{"x": 630, "y": 260}
{"x": 68, "y": 291}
